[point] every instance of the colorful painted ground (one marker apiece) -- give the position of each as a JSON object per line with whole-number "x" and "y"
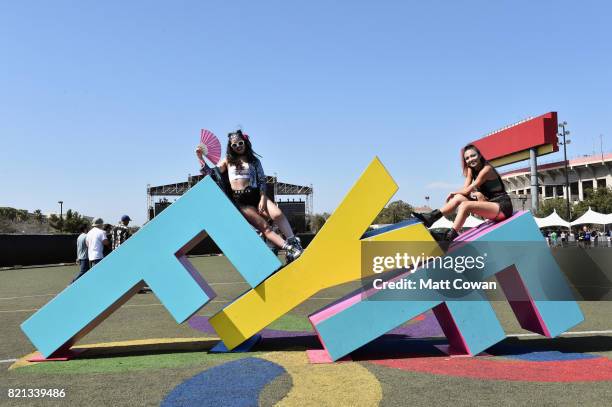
{"x": 140, "y": 356}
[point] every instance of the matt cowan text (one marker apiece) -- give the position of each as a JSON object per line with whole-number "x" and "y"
{"x": 429, "y": 284}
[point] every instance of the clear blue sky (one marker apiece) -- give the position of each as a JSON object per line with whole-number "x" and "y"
{"x": 99, "y": 99}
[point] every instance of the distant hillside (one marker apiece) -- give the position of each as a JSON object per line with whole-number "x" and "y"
{"x": 29, "y": 225}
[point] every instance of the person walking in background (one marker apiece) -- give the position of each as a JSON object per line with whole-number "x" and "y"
{"x": 121, "y": 232}
{"x": 553, "y": 238}
{"x": 108, "y": 229}
{"x": 563, "y": 238}
{"x": 82, "y": 257}
{"x": 587, "y": 237}
{"x": 96, "y": 242}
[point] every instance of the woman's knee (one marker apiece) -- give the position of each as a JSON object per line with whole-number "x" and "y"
{"x": 274, "y": 211}
{"x": 458, "y": 199}
{"x": 464, "y": 206}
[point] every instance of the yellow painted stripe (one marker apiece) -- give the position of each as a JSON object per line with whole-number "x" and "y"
{"x": 521, "y": 155}
{"x": 23, "y": 361}
{"x": 333, "y": 384}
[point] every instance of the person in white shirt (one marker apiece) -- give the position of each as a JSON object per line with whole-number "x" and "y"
{"x": 96, "y": 240}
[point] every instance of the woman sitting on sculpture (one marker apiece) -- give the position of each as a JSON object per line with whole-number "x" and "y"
{"x": 483, "y": 194}
{"x": 248, "y": 191}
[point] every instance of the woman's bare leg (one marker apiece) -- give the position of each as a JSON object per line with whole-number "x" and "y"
{"x": 255, "y": 219}
{"x": 279, "y": 219}
{"x": 488, "y": 210}
{"x": 453, "y": 203}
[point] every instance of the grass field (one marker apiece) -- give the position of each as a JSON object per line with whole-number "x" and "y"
{"x": 140, "y": 356}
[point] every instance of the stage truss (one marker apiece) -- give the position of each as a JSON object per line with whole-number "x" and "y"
{"x": 281, "y": 189}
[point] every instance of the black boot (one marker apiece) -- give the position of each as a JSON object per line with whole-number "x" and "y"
{"x": 451, "y": 235}
{"x": 428, "y": 219}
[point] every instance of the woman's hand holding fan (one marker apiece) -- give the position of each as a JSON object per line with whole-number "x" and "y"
{"x": 209, "y": 148}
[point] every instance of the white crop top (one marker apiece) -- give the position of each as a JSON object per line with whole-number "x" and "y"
{"x": 235, "y": 173}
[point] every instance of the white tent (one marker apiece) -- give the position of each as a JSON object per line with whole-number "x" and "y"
{"x": 591, "y": 216}
{"x": 609, "y": 218}
{"x": 442, "y": 223}
{"x": 552, "y": 220}
{"x": 472, "y": 222}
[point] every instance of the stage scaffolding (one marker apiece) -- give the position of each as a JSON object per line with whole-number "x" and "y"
{"x": 281, "y": 189}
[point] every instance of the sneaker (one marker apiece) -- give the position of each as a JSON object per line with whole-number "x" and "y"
{"x": 451, "y": 235}
{"x": 428, "y": 219}
{"x": 292, "y": 253}
{"x": 295, "y": 242}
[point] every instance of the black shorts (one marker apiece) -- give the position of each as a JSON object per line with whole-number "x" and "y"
{"x": 247, "y": 197}
{"x": 505, "y": 204}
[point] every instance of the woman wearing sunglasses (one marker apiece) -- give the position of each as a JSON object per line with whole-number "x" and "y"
{"x": 483, "y": 194}
{"x": 248, "y": 191}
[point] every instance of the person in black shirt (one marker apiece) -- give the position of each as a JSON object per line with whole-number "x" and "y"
{"x": 483, "y": 194}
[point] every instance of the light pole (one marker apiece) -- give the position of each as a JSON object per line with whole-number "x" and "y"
{"x": 565, "y": 142}
{"x": 61, "y": 223}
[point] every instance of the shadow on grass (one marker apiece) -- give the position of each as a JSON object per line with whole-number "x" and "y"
{"x": 112, "y": 351}
{"x": 390, "y": 346}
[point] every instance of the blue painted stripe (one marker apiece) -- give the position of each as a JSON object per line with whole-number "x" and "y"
{"x": 389, "y": 228}
{"x": 237, "y": 383}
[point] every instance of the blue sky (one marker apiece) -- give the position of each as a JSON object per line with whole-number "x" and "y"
{"x": 99, "y": 99}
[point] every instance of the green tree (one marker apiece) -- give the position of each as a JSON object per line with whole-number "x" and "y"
{"x": 70, "y": 223}
{"x": 38, "y": 215}
{"x": 22, "y": 215}
{"x": 8, "y": 213}
{"x": 548, "y": 206}
{"x": 600, "y": 200}
{"x": 56, "y": 222}
{"x": 395, "y": 212}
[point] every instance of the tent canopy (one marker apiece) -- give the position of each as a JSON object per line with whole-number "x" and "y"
{"x": 552, "y": 220}
{"x": 472, "y": 222}
{"x": 591, "y": 216}
{"x": 442, "y": 223}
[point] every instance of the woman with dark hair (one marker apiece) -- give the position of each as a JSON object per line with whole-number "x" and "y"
{"x": 248, "y": 191}
{"x": 483, "y": 194}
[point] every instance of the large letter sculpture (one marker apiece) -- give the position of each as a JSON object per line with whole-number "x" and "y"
{"x": 157, "y": 256}
{"x": 536, "y": 289}
{"x": 332, "y": 258}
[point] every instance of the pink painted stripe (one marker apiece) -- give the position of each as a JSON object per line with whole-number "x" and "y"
{"x": 334, "y": 309}
{"x": 345, "y": 303}
{"x": 318, "y": 356}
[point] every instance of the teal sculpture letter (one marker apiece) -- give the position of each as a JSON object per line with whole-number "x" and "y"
{"x": 156, "y": 255}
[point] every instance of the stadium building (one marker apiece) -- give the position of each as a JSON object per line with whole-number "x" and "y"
{"x": 584, "y": 173}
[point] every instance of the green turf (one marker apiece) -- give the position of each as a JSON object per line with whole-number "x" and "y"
{"x": 291, "y": 322}
{"x": 131, "y": 363}
{"x": 144, "y": 376}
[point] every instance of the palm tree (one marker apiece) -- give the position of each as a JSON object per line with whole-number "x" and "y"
{"x": 38, "y": 215}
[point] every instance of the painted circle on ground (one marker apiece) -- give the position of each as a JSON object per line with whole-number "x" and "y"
{"x": 237, "y": 383}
